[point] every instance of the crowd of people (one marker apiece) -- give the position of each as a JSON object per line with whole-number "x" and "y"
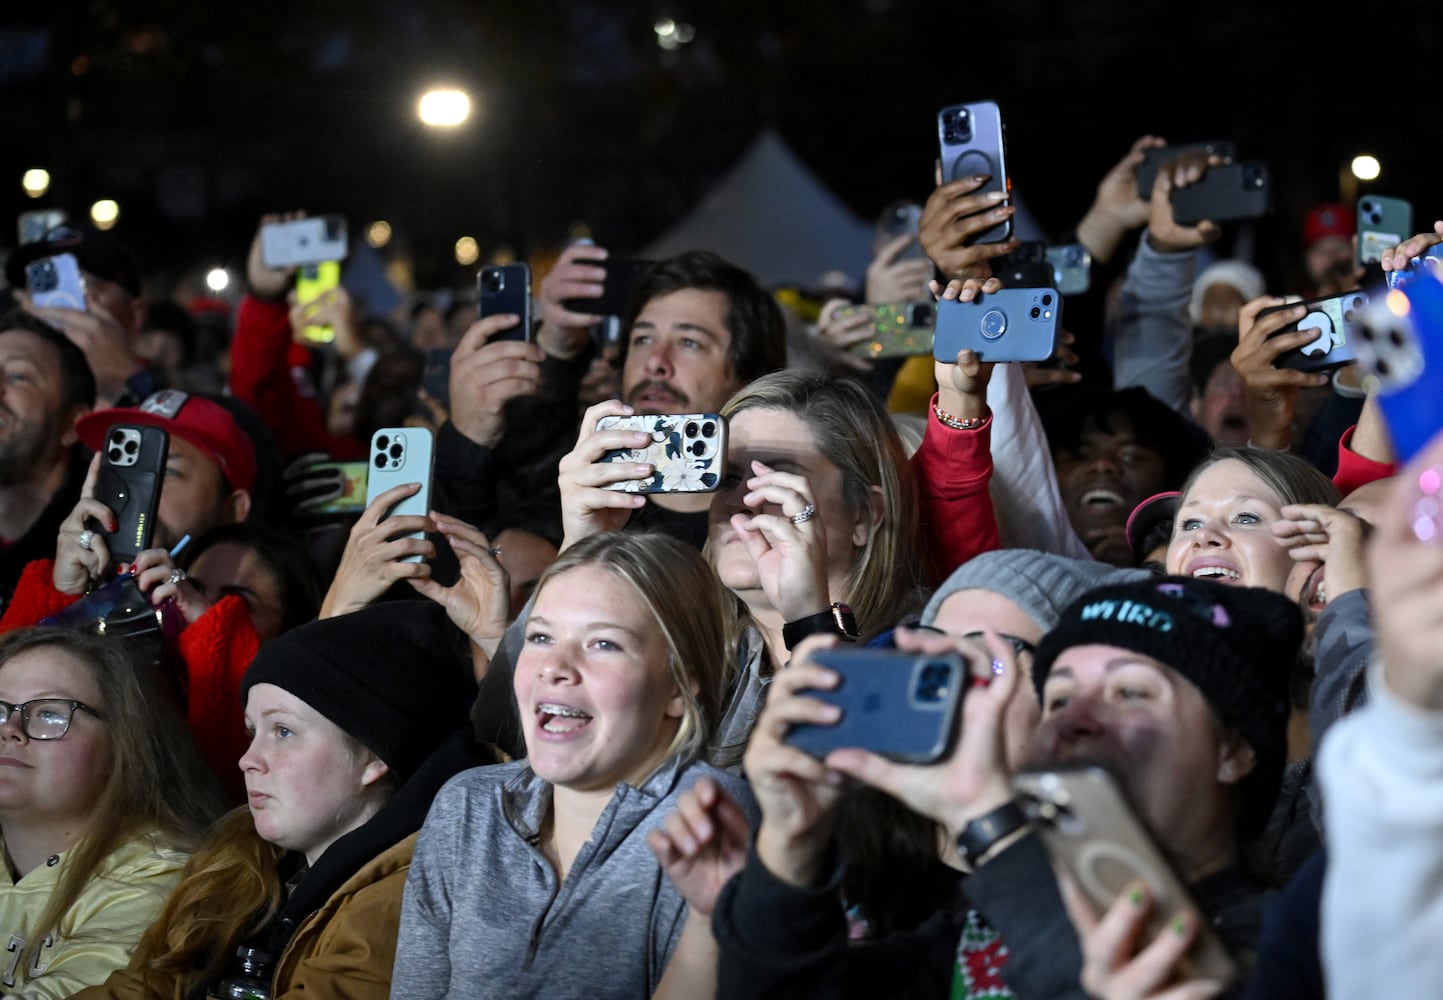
{"x": 537, "y": 739}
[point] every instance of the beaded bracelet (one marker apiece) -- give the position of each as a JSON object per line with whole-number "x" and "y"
{"x": 958, "y": 423}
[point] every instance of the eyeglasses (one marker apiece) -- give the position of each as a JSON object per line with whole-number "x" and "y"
{"x": 1019, "y": 645}
{"x": 45, "y": 718}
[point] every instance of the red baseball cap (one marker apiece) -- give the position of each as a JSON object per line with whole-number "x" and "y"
{"x": 194, "y": 419}
{"x": 1327, "y": 220}
{"x": 1147, "y": 515}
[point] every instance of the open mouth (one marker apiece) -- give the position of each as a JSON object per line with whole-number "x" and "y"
{"x": 1315, "y": 592}
{"x": 1095, "y": 499}
{"x": 1222, "y": 574}
{"x": 560, "y": 719}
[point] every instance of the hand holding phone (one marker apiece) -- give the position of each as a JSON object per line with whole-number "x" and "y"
{"x": 686, "y": 451}
{"x": 312, "y": 282}
{"x": 1335, "y": 319}
{"x": 56, "y": 283}
{"x": 973, "y": 143}
{"x": 402, "y": 456}
{"x": 1010, "y": 324}
{"x": 1227, "y": 192}
{"x": 1154, "y": 157}
{"x": 622, "y": 276}
{"x": 132, "y": 472}
{"x": 902, "y": 706}
{"x": 1092, "y": 832}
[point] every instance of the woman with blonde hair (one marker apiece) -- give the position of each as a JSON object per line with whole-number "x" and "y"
{"x": 103, "y": 796}
{"x": 534, "y": 878}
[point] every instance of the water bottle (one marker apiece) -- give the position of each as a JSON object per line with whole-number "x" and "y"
{"x": 252, "y": 982}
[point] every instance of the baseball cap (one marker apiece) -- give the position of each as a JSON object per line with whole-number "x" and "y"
{"x": 1327, "y": 220}
{"x": 1156, "y": 509}
{"x": 196, "y": 420}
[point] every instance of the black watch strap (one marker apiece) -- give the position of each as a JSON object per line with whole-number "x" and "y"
{"x": 837, "y": 620}
{"x": 986, "y": 831}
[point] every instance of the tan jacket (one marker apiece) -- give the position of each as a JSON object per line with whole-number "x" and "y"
{"x": 344, "y": 950}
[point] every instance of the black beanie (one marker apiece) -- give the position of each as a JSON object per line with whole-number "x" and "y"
{"x": 1236, "y": 645}
{"x": 388, "y": 675}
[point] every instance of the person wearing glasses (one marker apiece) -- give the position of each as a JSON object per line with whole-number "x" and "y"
{"x": 103, "y": 796}
{"x": 355, "y": 723}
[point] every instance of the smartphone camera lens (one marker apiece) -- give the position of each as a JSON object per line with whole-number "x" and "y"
{"x": 382, "y": 443}
{"x": 491, "y": 279}
{"x": 380, "y": 460}
{"x": 395, "y": 450}
{"x": 697, "y": 448}
{"x": 708, "y": 429}
{"x": 691, "y": 428}
{"x": 114, "y": 454}
{"x": 131, "y": 447}
{"x": 1036, "y": 312}
{"x": 117, "y": 436}
{"x": 1047, "y": 300}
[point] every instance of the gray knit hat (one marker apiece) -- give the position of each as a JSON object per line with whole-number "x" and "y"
{"x": 1039, "y": 583}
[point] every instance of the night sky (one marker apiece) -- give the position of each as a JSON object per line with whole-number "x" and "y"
{"x": 197, "y": 117}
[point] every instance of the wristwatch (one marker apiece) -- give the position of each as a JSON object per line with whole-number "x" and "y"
{"x": 838, "y": 618}
{"x": 988, "y": 830}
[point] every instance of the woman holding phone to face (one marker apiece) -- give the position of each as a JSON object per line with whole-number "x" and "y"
{"x": 102, "y": 798}
{"x": 534, "y": 878}
{"x": 355, "y": 723}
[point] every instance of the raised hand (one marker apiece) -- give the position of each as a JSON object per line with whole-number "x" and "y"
{"x": 1271, "y": 393}
{"x": 81, "y": 555}
{"x": 479, "y": 602}
{"x": 563, "y": 333}
{"x": 701, "y": 844}
{"x": 587, "y": 507}
{"x": 953, "y": 215}
{"x": 487, "y": 374}
{"x": 375, "y": 552}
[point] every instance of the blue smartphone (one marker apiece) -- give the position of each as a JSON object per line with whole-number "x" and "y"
{"x": 900, "y": 705}
{"x": 972, "y": 140}
{"x": 402, "y": 455}
{"x": 1012, "y": 324}
{"x": 1400, "y": 350}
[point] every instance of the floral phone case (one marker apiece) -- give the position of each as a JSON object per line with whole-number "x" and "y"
{"x": 687, "y": 451}
{"x": 901, "y": 329}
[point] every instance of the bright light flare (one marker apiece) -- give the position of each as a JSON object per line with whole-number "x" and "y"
{"x": 36, "y": 181}
{"x": 1366, "y": 168}
{"x": 444, "y": 108}
{"x": 104, "y": 213}
{"x": 467, "y": 252}
{"x": 378, "y": 233}
{"x": 217, "y": 279}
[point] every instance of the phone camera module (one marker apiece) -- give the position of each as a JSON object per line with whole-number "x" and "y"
{"x": 491, "y": 279}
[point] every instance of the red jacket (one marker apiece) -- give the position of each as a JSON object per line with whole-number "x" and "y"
{"x": 953, "y": 468}
{"x": 265, "y": 366}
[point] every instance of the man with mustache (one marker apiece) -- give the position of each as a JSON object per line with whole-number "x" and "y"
{"x": 45, "y": 387}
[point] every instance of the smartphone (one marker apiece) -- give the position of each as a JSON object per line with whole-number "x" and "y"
{"x": 402, "y": 455}
{"x": 313, "y": 281}
{"x": 973, "y": 140}
{"x": 687, "y": 451}
{"x": 618, "y": 289}
{"x": 1071, "y": 268}
{"x": 1013, "y": 324}
{"x": 1335, "y": 318}
{"x": 900, "y": 329}
{"x": 132, "y": 472}
{"x": 1382, "y": 223}
{"x": 1227, "y": 192}
{"x": 505, "y": 288}
{"x": 341, "y": 487}
{"x": 1092, "y": 832}
{"x": 436, "y": 375}
{"x": 1024, "y": 267}
{"x": 33, "y": 225}
{"x": 900, "y": 705}
{"x": 1400, "y": 350}
{"x": 304, "y": 241}
{"x": 902, "y": 218}
{"x": 1153, "y": 159}
{"x": 56, "y": 282}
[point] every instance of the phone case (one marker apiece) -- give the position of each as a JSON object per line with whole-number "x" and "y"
{"x": 900, "y": 705}
{"x": 687, "y": 451}
{"x": 502, "y": 289}
{"x": 132, "y": 472}
{"x": 56, "y": 282}
{"x": 1153, "y": 159}
{"x": 1400, "y": 350}
{"x": 345, "y": 485}
{"x": 623, "y": 277}
{"x": 1091, "y": 831}
{"x": 1336, "y": 319}
{"x": 1228, "y": 192}
{"x": 402, "y": 455}
{"x": 1012, "y": 324}
{"x": 1071, "y": 268}
{"x": 313, "y": 281}
{"x": 974, "y": 141}
{"x": 902, "y": 329}
{"x": 304, "y": 241}
{"x": 1382, "y": 223}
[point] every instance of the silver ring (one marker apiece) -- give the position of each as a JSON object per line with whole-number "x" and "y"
{"x": 84, "y": 539}
{"x": 805, "y": 514}
{"x": 494, "y": 551}
{"x": 176, "y": 575}
{"x": 997, "y": 668}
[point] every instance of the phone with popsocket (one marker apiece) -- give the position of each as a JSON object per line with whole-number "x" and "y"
{"x": 1011, "y": 324}
{"x": 1335, "y": 318}
{"x": 1092, "y": 832}
{"x": 973, "y": 142}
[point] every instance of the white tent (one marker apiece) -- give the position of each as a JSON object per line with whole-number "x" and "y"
{"x": 774, "y": 217}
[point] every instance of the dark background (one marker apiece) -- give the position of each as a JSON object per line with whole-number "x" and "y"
{"x": 196, "y": 117}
